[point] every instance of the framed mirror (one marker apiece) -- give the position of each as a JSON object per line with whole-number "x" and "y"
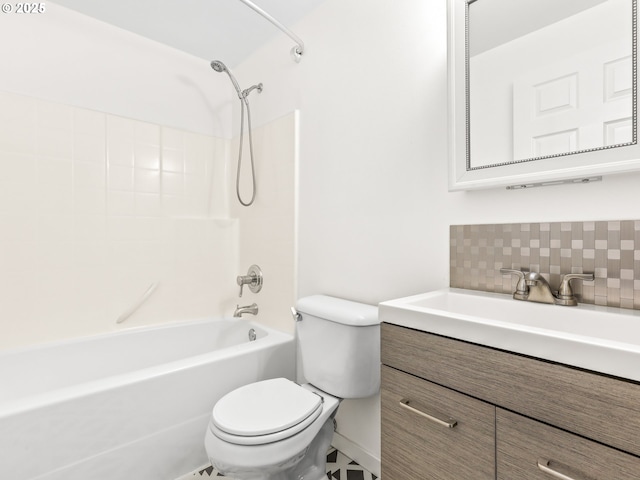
{"x": 541, "y": 91}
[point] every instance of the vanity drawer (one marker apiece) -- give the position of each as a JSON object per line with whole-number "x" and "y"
{"x": 415, "y": 447}
{"x": 526, "y": 447}
{"x": 596, "y": 406}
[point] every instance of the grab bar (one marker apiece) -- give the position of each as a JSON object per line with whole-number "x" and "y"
{"x": 135, "y": 306}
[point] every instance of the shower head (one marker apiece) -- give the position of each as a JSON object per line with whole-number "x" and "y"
{"x": 220, "y": 67}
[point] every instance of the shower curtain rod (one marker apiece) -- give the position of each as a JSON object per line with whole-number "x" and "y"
{"x": 296, "y": 51}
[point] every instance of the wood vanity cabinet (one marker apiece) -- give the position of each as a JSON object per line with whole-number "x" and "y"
{"x": 518, "y": 417}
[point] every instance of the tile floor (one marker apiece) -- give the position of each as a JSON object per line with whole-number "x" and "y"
{"x": 339, "y": 467}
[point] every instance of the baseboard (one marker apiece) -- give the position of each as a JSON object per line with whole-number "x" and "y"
{"x": 357, "y": 453}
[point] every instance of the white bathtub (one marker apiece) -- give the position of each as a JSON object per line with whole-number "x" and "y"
{"x": 132, "y": 405}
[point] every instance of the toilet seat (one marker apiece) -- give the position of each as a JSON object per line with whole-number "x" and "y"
{"x": 264, "y": 412}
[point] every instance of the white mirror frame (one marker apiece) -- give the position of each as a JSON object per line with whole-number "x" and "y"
{"x": 612, "y": 160}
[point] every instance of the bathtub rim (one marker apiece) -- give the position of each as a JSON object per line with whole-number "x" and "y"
{"x": 126, "y": 329}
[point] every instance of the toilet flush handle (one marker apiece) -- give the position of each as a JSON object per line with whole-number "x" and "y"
{"x": 296, "y": 315}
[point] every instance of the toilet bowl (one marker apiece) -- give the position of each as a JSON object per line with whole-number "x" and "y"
{"x": 278, "y": 430}
{"x": 266, "y": 431}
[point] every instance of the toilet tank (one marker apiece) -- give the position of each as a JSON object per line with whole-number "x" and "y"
{"x": 339, "y": 342}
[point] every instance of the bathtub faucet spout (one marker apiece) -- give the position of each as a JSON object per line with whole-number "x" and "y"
{"x": 252, "y": 309}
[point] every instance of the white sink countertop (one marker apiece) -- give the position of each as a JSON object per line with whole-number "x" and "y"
{"x": 602, "y": 339}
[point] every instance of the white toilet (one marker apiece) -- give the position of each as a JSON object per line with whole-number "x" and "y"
{"x": 278, "y": 430}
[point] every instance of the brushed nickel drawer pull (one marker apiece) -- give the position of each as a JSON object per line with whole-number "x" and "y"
{"x": 450, "y": 422}
{"x": 543, "y": 464}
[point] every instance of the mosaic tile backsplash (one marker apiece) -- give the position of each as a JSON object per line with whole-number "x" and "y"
{"x": 609, "y": 249}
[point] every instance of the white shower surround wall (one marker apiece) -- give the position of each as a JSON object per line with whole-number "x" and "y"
{"x": 81, "y": 241}
{"x": 94, "y": 208}
{"x": 88, "y": 217}
{"x": 127, "y": 405}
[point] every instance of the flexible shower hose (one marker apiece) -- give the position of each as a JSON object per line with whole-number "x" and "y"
{"x": 243, "y": 102}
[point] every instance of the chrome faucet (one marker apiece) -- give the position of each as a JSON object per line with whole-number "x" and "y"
{"x": 533, "y": 287}
{"x": 250, "y": 309}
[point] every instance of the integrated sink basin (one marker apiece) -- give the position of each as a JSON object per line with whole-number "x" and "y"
{"x": 602, "y": 339}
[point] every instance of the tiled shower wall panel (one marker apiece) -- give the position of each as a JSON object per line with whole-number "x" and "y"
{"x": 609, "y": 249}
{"x": 94, "y": 208}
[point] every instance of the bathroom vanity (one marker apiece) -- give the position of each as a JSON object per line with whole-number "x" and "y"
{"x": 459, "y": 409}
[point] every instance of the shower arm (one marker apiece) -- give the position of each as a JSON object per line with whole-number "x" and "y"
{"x": 298, "y": 50}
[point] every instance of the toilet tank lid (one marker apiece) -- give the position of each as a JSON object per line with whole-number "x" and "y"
{"x": 338, "y": 310}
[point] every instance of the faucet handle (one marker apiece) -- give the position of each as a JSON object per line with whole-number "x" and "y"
{"x": 522, "y": 290}
{"x": 253, "y": 278}
{"x": 243, "y": 280}
{"x": 565, "y": 292}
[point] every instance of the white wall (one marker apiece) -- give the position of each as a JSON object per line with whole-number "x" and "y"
{"x": 67, "y": 57}
{"x": 374, "y": 207}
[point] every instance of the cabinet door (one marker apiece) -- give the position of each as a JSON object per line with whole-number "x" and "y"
{"x": 419, "y": 438}
{"x": 530, "y": 450}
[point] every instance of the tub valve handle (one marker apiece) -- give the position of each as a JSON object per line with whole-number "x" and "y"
{"x": 253, "y": 278}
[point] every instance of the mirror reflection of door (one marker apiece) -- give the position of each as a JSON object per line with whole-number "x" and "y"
{"x": 548, "y": 78}
{"x": 577, "y": 104}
